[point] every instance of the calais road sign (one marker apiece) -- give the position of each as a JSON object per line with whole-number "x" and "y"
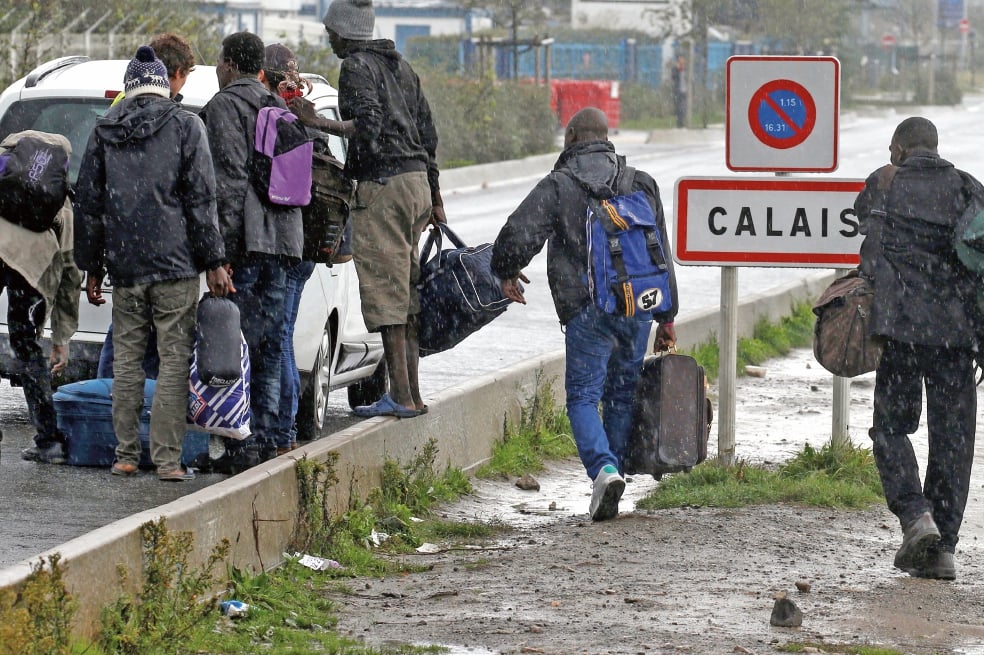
{"x": 805, "y": 222}
{"x": 782, "y": 113}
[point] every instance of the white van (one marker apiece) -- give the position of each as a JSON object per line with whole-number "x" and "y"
{"x": 332, "y": 347}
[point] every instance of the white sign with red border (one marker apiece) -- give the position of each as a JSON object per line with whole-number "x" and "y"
{"x": 782, "y": 113}
{"x": 808, "y": 222}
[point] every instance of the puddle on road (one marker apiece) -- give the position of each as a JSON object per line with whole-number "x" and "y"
{"x": 453, "y": 649}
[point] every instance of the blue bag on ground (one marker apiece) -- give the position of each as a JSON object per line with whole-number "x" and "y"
{"x": 627, "y": 270}
{"x": 84, "y": 411}
{"x": 221, "y": 410}
{"x": 217, "y": 351}
{"x": 459, "y": 294}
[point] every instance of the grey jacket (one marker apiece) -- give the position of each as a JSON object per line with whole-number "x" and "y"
{"x": 248, "y": 224}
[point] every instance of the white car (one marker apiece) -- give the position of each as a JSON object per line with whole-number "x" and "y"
{"x": 332, "y": 347}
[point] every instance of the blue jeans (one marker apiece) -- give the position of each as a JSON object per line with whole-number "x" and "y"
{"x": 260, "y": 282}
{"x": 604, "y": 361}
{"x": 290, "y": 378}
{"x": 151, "y": 360}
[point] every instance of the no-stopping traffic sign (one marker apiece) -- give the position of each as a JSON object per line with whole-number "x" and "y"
{"x": 782, "y": 113}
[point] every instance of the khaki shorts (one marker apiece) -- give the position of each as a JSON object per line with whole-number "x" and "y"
{"x": 387, "y": 220}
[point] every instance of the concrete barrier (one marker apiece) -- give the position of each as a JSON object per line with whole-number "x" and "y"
{"x": 257, "y": 510}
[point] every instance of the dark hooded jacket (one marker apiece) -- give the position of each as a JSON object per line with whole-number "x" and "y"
{"x": 394, "y": 132}
{"x": 145, "y": 196}
{"x": 555, "y": 212}
{"x": 248, "y": 224}
{"x": 923, "y": 294}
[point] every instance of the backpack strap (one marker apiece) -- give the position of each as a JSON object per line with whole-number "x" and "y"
{"x": 625, "y": 181}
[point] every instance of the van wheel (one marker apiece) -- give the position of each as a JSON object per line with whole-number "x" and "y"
{"x": 371, "y": 389}
{"x": 312, "y": 406}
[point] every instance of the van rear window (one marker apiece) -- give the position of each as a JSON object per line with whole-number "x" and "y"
{"x": 72, "y": 117}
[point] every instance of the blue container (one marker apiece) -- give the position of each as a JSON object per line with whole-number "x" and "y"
{"x": 85, "y": 415}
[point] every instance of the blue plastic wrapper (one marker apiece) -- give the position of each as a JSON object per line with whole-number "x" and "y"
{"x": 233, "y": 608}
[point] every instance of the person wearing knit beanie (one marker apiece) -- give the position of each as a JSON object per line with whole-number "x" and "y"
{"x": 146, "y": 74}
{"x": 354, "y": 20}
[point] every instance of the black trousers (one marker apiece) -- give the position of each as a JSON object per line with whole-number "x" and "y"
{"x": 25, "y": 318}
{"x": 951, "y": 412}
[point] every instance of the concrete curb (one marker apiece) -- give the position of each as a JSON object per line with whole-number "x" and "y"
{"x": 257, "y": 510}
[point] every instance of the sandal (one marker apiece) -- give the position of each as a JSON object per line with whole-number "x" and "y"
{"x": 385, "y": 406}
{"x": 126, "y": 469}
{"x": 176, "y": 475}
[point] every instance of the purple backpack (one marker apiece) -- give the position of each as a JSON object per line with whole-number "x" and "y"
{"x": 280, "y": 166}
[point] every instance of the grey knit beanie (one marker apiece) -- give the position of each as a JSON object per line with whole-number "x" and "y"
{"x": 351, "y": 19}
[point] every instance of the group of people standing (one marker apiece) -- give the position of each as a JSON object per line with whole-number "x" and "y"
{"x": 164, "y": 194}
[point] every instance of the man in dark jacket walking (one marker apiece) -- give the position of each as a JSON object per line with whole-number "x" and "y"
{"x": 923, "y": 309}
{"x": 146, "y": 199}
{"x": 393, "y": 157}
{"x": 604, "y": 351}
{"x": 261, "y": 240}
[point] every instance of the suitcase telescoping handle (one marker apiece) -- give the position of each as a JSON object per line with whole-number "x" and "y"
{"x": 435, "y": 235}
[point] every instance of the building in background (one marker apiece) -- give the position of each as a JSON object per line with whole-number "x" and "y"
{"x": 299, "y": 21}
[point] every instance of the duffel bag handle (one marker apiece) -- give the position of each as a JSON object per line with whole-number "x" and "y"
{"x": 436, "y": 235}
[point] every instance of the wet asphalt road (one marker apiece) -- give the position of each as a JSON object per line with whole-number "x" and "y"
{"x": 42, "y": 506}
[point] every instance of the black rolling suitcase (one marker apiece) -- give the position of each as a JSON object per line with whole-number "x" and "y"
{"x": 671, "y": 417}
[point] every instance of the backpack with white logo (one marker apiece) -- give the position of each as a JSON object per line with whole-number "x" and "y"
{"x": 627, "y": 269}
{"x": 33, "y": 182}
{"x": 280, "y": 165}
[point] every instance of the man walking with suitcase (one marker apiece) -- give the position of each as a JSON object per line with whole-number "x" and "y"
{"x": 604, "y": 350}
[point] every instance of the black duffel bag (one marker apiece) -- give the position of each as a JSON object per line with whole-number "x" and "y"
{"x": 458, "y": 291}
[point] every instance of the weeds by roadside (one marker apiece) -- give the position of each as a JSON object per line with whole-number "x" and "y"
{"x": 768, "y": 340}
{"x": 543, "y": 434}
{"x": 833, "y": 476}
{"x": 174, "y": 600}
{"x": 36, "y": 618}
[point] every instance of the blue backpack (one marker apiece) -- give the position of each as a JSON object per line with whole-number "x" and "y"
{"x": 627, "y": 270}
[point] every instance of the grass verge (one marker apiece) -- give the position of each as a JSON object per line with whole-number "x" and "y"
{"x": 768, "y": 340}
{"x": 542, "y": 434}
{"x": 833, "y": 476}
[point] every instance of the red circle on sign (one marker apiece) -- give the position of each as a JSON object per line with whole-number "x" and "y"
{"x": 964, "y": 25}
{"x": 888, "y": 41}
{"x": 800, "y": 132}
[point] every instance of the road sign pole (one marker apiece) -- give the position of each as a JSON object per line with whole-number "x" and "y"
{"x": 840, "y": 433}
{"x": 728, "y": 365}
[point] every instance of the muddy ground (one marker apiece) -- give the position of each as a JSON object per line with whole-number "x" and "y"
{"x": 692, "y": 580}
